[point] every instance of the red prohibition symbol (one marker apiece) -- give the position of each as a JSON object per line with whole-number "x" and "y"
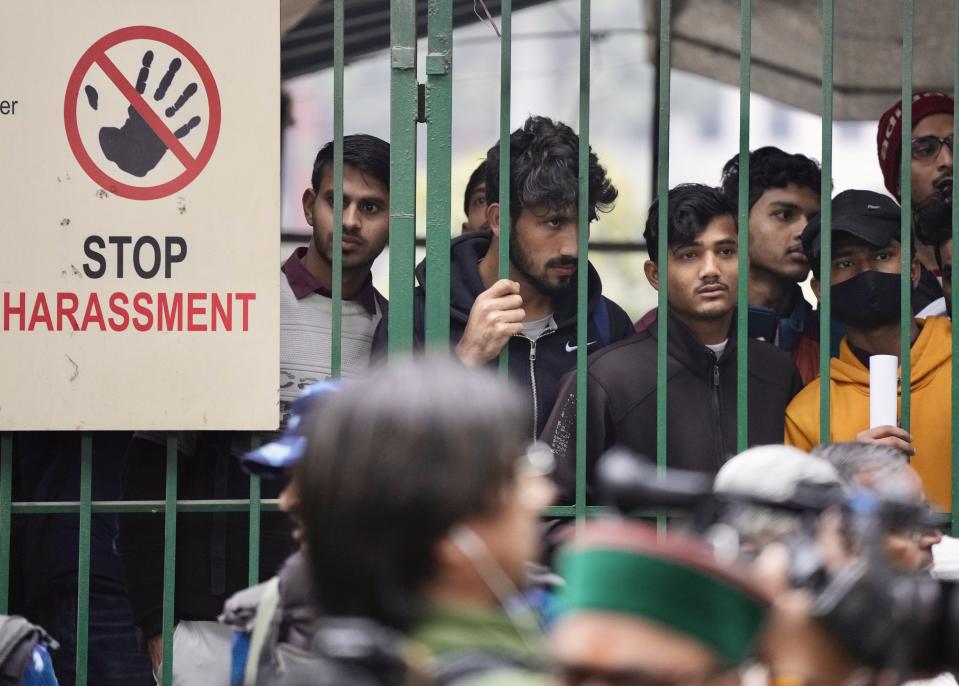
{"x": 192, "y": 166}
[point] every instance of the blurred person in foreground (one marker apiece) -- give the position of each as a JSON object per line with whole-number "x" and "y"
{"x": 423, "y": 514}
{"x": 795, "y": 646}
{"x": 640, "y": 608}
{"x": 865, "y": 288}
{"x": 276, "y": 618}
{"x": 885, "y": 471}
{"x": 800, "y": 543}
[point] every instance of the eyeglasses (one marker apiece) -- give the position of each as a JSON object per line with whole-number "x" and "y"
{"x": 926, "y": 147}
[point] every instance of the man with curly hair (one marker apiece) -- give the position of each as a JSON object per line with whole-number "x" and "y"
{"x": 532, "y": 313}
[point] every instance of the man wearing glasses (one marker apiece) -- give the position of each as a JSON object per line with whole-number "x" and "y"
{"x": 932, "y": 123}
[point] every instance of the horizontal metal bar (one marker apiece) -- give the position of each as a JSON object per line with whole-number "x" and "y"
{"x": 594, "y": 246}
{"x": 570, "y": 511}
{"x": 126, "y": 506}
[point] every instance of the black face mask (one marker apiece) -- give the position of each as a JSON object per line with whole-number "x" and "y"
{"x": 868, "y": 300}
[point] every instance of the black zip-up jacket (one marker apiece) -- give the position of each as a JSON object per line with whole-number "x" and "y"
{"x": 537, "y": 366}
{"x": 701, "y": 403}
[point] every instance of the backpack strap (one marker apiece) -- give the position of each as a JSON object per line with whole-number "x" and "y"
{"x": 600, "y": 316}
{"x": 261, "y": 626}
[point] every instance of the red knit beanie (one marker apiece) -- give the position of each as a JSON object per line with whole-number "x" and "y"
{"x": 889, "y": 135}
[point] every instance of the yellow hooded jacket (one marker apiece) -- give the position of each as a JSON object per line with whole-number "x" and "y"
{"x": 930, "y": 415}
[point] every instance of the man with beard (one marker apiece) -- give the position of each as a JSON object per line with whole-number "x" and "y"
{"x": 532, "y": 314}
{"x": 932, "y": 121}
{"x": 932, "y": 225}
{"x": 212, "y": 548}
{"x": 865, "y": 277}
{"x": 701, "y": 277}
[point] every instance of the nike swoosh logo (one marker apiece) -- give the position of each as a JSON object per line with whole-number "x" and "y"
{"x": 571, "y": 348}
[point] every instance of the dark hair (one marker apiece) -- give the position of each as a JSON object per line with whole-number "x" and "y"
{"x": 691, "y": 207}
{"x": 476, "y": 178}
{"x": 770, "y": 167}
{"x": 544, "y": 171}
{"x": 392, "y": 464}
{"x": 365, "y": 153}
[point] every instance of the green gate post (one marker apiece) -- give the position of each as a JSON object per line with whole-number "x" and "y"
{"x": 403, "y": 109}
{"x": 83, "y": 565}
{"x": 505, "y": 103}
{"x": 662, "y": 192}
{"x": 253, "y": 544}
{"x": 742, "y": 316}
{"x": 439, "y": 157}
{"x": 336, "y": 333}
{"x": 582, "y": 270}
{"x": 905, "y": 242}
{"x": 169, "y": 557}
{"x": 825, "y": 246}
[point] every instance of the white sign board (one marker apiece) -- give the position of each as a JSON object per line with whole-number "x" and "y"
{"x": 139, "y": 188}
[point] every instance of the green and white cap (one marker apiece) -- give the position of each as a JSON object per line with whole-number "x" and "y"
{"x": 627, "y": 568}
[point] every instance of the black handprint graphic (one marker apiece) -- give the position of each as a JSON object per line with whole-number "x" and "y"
{"x": 135, "y": 147}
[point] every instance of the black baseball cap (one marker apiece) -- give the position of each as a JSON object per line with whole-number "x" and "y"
{"x": 872, "y": 217}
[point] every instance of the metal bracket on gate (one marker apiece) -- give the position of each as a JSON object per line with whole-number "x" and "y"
{"x": 403, "y": 57}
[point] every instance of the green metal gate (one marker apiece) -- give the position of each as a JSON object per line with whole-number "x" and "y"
{"x": 403, "y": 130}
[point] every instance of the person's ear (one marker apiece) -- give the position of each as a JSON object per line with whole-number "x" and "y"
{"x": 309, "y": 200}
{"x": 652, "y": 273}
{"x": 492, "y": 218}
{"x": 816, "y": 287}
{"x": 915, "y": 271}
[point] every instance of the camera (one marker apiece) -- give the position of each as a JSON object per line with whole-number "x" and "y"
{"x": 883, "y": 617}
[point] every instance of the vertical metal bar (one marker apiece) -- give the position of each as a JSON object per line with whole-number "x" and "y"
{"x": 439, "y": 162}
{"x": 83, "y": 564}
{"x": 905, "y": 240}
{"x": 955, "y": 297}
{"x": 662, "y": 192}
{"x": 742, "y": 319}
{"x": 403, "y": 108}
{"x": 582, "y": 270}
{"x": 505, "y": 93}
{"x": 825, "y": 231}
{"x": 337, "y": 328}
{"x": 253, "y": 564}
{"x": 169, "y": 558}
{"x": 6, "y": 516}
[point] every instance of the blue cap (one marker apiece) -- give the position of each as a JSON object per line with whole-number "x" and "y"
{"x": 272, "y": 458}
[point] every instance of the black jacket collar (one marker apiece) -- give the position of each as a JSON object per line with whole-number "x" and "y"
{"x": 683, "y": 346}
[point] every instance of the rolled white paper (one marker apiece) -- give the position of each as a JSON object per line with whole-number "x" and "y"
{"x": 883, "y": 390}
